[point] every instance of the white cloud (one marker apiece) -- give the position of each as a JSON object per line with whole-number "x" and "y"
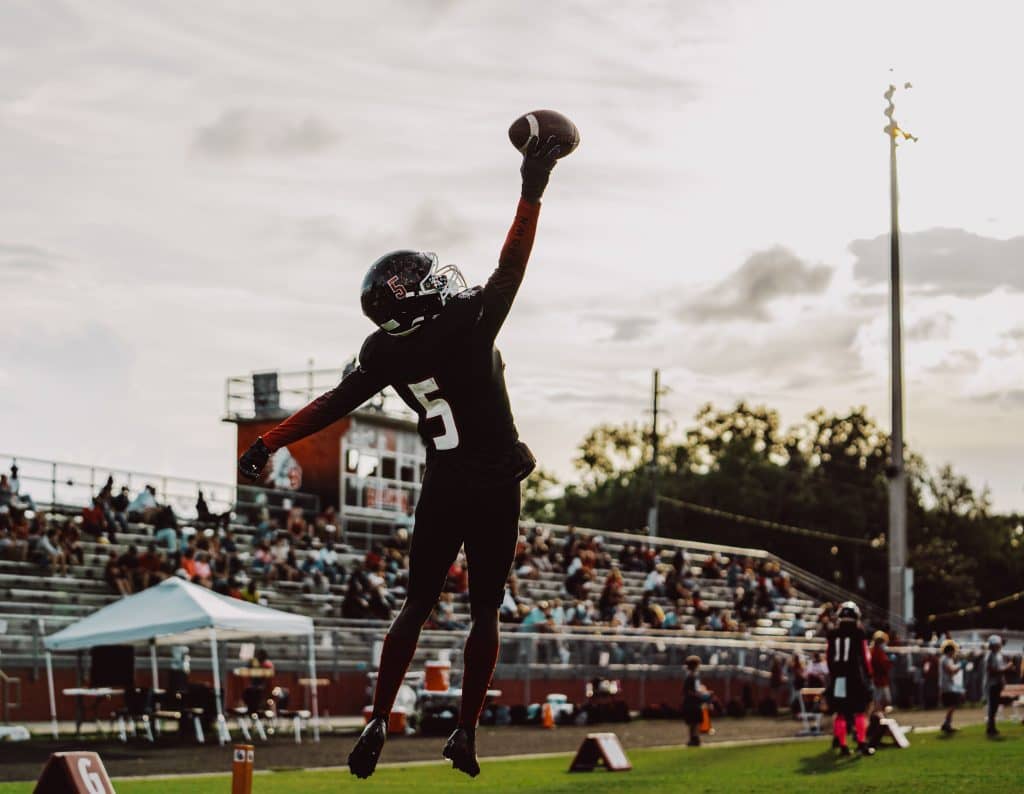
{"x": 198, "y": 191}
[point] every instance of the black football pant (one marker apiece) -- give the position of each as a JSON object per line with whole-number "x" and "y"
{"x": 452, "y": 512}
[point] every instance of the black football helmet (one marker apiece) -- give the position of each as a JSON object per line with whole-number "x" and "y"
{"x": 404, "y": 289}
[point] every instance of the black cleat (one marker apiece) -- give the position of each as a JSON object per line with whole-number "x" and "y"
{"x": 865, "y": 749}
{"x": 461, "y": 751}
{"x": 364, "y": 756}
{"x": 844, "y": 750}
{"x": 947, "y": 728}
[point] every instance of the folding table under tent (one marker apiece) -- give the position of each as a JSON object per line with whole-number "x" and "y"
{"x": 177, "y": 612}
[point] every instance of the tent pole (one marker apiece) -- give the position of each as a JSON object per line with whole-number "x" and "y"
{"x": 216, "y": 685}
{"x": 152, "y": 664}
{"x": 312, "y": 680}
{"x": 53, "y": 699}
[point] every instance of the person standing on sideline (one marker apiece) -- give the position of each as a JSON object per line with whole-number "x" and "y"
{"x": 996, "y": 668}
{"x": 951, "y": 683}
{"x": 881, "y": 665}
{"x": 694, "y": 697}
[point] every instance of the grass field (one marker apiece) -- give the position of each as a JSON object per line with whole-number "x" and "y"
{"x": 966, "y": 762}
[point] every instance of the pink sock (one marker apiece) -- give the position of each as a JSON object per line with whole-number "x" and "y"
{"x": 839, "y": 729}
{"x": 860, "y": 723}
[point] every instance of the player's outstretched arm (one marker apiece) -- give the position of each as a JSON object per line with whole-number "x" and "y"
{"x": 355, "y": 388}
{"x": 502, "y": 286}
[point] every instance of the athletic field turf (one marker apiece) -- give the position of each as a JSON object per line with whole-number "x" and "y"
{"x": 966, "y": 762}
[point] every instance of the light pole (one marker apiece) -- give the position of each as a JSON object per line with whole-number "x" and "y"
{"x": 900, "y": 579}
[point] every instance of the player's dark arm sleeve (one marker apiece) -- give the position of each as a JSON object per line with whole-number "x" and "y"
{"x": 502, "y": 286}
{"x": 355, "y": 388}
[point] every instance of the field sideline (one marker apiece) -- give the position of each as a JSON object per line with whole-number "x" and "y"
{"x": 966, "y": 762}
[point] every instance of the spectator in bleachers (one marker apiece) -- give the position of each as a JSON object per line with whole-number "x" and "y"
{"x": 297, "y": 526}
{"x": 701, "y": 611}
{"x": 580, "y": 614}
{"x": 524, "y": 565}
{"x": 630, "y": 559}
{"x": 251, "y": 593}
{"x": 356, "y": 603}
{"x": 151, "y": 563}
{"x": 6, "y": 492}
{"x": 19, "y": 500}
{"x": 611, "y": 595}
{"x": 577, "y": 577}
{"x": 202, "y": 570}
{"x": 570, "y": 543}
{"x": 166, "y": 532}
{"x": 94, "y": 522}
{"x": 511, "y": 601}
{"x": 205, "y": 516}
{"x": 13, "y": 536}
{"x": 647, "y": 614}
{"x": 143, "y": 508}
{"x": 129, "y": 562}
{"x": 325, "y": 525}
{"x": 329, "y": 563}
{"x": 798, "y": 628}
{"x": 712, "y": 567}
{"x": 655, "y": 581}
{"x": 734, "y": 572}
{"x": 539, "y": 619}
{"x": 283, "y": 563}
{"x": 51, "y": 554}
{"x": 105, "y": 499}
{"x": 458, "y": 577}
{"x": 114, "y": 576}
{"x": 764, "y": 601}
{"x": 817, "y": 670}
{"x": 443, "y": 616}
{"x": 310, "y": 564}
{"x": 315, "y": 583}
{"x": 119, "y": 506}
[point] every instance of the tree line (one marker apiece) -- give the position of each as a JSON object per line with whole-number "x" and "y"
{"x": 826, "y": 473}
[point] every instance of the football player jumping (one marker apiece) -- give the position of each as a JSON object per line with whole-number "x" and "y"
{"x": 435, "y": 347}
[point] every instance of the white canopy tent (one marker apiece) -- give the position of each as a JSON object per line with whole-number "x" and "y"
{"x": 177, "y": 612}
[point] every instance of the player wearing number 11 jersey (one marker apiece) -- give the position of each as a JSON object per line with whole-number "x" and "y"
{"x": 849, "y": 688}
{"x": 435, "y": 346}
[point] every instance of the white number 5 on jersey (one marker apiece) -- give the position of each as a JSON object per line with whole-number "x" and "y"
{"x": 426, "y": 392}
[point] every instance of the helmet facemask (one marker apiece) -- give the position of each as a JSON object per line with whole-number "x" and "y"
{"x": 433, "y": 292}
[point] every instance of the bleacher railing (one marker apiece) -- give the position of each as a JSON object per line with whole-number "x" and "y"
{"x": 577, "y": 654}
{"x": 55, "y": 483}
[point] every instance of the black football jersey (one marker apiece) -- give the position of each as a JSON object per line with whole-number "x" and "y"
{"x": 847, "y": 651}
{"x": 448, "y": 371}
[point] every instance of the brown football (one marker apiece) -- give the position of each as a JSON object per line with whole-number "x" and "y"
{"x": 544, "y": 124}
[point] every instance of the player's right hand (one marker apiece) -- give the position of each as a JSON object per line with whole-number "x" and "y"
{"x": 540, "y": 158}
{"x": 253, "y": 460}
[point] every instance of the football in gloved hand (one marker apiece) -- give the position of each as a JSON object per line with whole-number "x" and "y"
{"x": 544, "y": 125}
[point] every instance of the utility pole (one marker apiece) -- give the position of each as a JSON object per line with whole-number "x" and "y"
{"x": 900, "y": 580}
{"x": 652, "y": 511}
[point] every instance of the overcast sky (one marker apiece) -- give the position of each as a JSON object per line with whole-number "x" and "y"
{"x": 194, "y": 190}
